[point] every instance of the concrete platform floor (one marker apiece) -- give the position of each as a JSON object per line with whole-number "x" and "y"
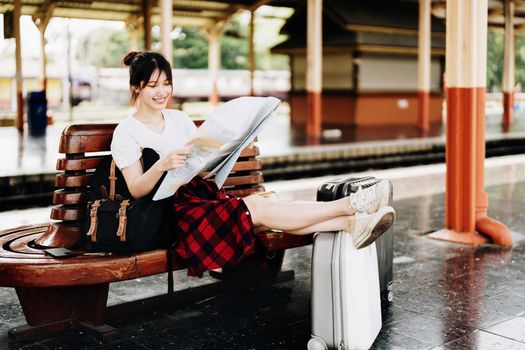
{"x": 446, "y": 296}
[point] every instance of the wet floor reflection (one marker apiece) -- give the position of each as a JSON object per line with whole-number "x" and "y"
{"x": 337, "y": 133}
{"x": 465, "y": 290}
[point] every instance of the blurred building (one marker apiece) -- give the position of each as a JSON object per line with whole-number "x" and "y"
{"x": 370, "y": 68}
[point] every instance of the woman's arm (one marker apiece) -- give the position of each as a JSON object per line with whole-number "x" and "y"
{"x": 141, "y": 183}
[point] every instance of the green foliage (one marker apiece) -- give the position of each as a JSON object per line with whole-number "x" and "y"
{"x": 520, "y": 59}
{"x": 103, "y": 47}
{"x": 190, "y": 50}
{"x": 495, "y": 44}
{"x": 495, "y": 49}
{"x": 234, "y": 53}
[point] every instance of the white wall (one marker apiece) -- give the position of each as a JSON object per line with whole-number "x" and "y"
{"x": 337, "y": 71}
{"x": 391, "y": 73}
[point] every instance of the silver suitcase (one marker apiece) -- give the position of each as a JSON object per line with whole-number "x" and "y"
{"x": 346, "y": 303}
{"x": 342, "y": 187}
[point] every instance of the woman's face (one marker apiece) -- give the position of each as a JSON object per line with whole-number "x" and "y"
{"x": 155, "y": 94}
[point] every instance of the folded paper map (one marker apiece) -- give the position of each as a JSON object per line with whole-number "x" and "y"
{"x": 219, "y": 141}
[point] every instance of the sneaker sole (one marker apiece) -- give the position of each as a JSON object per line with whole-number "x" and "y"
{"x": 382, "y": 225}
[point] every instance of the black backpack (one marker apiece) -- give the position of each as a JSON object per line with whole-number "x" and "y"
{"x": 148, "y": 224}
{"x": 115, "y": 222}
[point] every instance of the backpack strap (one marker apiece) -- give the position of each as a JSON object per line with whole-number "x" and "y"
{"x": 93, "y": 221}
{"x": 170, "y": 258}
{"x": 112, "y": 179}
{"x": 122, "y": 220}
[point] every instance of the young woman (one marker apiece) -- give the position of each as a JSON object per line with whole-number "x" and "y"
{"x": 216, "y": 230}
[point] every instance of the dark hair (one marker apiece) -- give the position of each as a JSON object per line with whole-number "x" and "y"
{"x": 141, "y": 67}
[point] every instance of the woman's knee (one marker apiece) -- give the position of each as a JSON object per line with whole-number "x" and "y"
{"x": 256, "y": 205}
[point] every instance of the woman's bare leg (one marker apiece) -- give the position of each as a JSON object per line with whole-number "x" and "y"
{"x": 293, "y": 216}
{"x": 339, "y": 223}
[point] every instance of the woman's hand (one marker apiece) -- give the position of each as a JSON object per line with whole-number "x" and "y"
{"x": 174, "y": 159}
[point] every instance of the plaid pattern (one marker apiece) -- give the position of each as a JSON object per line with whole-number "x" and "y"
{"x": 215, "y": 230}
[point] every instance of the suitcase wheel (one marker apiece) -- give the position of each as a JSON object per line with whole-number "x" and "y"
{"x": 316, "y": 343}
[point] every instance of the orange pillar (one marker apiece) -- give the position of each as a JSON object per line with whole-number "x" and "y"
{"x": 424, "y": 65}
{"x": 466, "y": 201}
{"x": 314, "y": 66}
{"x": 508, "y": 65}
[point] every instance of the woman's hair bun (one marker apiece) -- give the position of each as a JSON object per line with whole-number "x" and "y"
{"x": 129, "y": 57}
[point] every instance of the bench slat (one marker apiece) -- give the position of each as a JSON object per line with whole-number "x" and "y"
{"x": 89, "y": 163}
{"x": 247, "y": 165}
{"x": 83, "y": 144}
{"x": 66, "y": 180}
{"x": 69, "y": 197}
{"x": 255, "y": 178}
{"x": 250, "y": 152}
{"x": 67, "y": 213}
{"x": 78, "y": 164}
{"x": 81, "y": 138}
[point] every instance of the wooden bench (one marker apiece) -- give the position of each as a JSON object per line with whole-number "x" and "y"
{"x": 58, "y": 294}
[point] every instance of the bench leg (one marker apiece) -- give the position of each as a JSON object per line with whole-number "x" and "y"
{"x": 257, "y": 268}
{"x": 53, "y": 309}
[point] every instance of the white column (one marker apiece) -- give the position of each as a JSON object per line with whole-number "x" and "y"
{"x": 132, "y": 26}
{"x": 41, "y": 20}
{"x": 424, "y": 44}
{"x": 508, "y": 56}
{"x": 508, "y": 65}
{"x": 214, "y": 60}
{"x": 166, "y": 28}
{"x": 252, "y": 52}
{"x": 314, "y": 67}
{"x": 43, "y": 60}
{"x": 314, "y": 49}
{"x": 466, "y": 57}
{"x": 18, "y": 60}
{"x": 424, "y": 41}
{"x": 214, "y": 63}
{"x": 134, "y": 33}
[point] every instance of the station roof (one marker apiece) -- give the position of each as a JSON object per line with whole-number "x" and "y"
{"x": 187, "y": 13}
{"x": 205, "y": 13}
{"x": 496, "y": 15}
{"x": 380, "y": 25}
{"x": 371, "y": 26}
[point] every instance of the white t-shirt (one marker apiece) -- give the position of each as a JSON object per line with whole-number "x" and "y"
{"x": 131, "y": 136}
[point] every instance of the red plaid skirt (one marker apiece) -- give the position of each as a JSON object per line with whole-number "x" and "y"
{"x": 214, "y": 230}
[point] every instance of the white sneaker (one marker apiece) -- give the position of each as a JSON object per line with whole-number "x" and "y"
{"x": 368, "y": 227}
{"x": 370, "y": 199}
